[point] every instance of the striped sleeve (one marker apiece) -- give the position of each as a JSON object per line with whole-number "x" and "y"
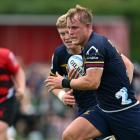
{"x": 94, "y": 58}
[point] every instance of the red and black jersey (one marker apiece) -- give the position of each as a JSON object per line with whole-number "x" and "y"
{"x": 8, "y": 68}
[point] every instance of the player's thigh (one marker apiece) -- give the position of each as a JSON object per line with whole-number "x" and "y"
{"x": 125, "y": 125}
{"x": 8, "y": 111}
{"x": 81, "y": 128}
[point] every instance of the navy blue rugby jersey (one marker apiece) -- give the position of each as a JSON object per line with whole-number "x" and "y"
{"x": 84, "y": 99}
{"x": 114, "y": 92}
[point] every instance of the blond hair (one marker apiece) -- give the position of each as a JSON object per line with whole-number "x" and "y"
{"x": 61, "y": 21}
{"x": 84, "y": 14}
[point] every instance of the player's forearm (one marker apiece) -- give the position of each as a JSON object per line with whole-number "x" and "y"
{"x": 59, "y": 93}
{"x": 84, "y": 83}
{"x": 20, "y": 81}
{"x": 90, "y": 81}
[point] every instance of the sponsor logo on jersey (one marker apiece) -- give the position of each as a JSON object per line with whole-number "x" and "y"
{"x": 92, "y": 49}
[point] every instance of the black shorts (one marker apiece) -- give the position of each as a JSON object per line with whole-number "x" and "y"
{"x": 8, "y": 110}
{"x": 124, "y": 125}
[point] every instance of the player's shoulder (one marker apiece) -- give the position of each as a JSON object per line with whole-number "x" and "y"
{"x": 96, "y": 41}
{"x": 98, "y": 38}
{"x": 60, "y": 50}
{"x": 4, "y": 51}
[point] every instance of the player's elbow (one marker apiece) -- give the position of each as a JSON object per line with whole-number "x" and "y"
{"x": 129, "y": 65}
{"x": 132, "y": 67}
{"x": 93, "y": 85}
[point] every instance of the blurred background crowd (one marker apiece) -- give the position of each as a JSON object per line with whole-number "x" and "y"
{"x": 27, "y": 27}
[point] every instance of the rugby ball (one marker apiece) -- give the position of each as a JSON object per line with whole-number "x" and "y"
{"x": 76, "y": 62}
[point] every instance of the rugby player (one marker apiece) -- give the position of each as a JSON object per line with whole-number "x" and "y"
{"x": 12, "y": 85}
{"x": 91, "y": 126}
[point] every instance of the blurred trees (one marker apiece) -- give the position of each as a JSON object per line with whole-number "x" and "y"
{"x": 127, "y": 8}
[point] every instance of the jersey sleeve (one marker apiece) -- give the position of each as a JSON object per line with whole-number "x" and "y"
{"x": 94, "y": 57}
{"x": 54, "y": 64}
{"x": 12, "y": 64}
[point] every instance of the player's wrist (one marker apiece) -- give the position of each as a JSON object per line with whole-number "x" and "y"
{"x": 66, "y": 83}
{"x": 61, "y": 94}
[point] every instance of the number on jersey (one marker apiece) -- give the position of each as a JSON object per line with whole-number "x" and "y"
{"x": 122, "y": 93}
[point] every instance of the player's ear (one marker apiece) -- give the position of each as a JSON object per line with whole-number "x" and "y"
{"x": 89, "y": 26}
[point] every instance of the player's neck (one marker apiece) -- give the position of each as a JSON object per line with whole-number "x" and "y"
{"x": 76, "y": 50}
{"x": 87, "y": 38}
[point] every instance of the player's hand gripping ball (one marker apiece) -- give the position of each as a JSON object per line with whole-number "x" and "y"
{"x": 76, "y": 62}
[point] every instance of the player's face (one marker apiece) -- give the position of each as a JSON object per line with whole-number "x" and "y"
{"x": 65, "y": 37}
{"x": 78, "y": 31}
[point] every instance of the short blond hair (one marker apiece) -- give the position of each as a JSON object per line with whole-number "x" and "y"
{"x": 85, "y": 15}
{"x": 61, "y": 21}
